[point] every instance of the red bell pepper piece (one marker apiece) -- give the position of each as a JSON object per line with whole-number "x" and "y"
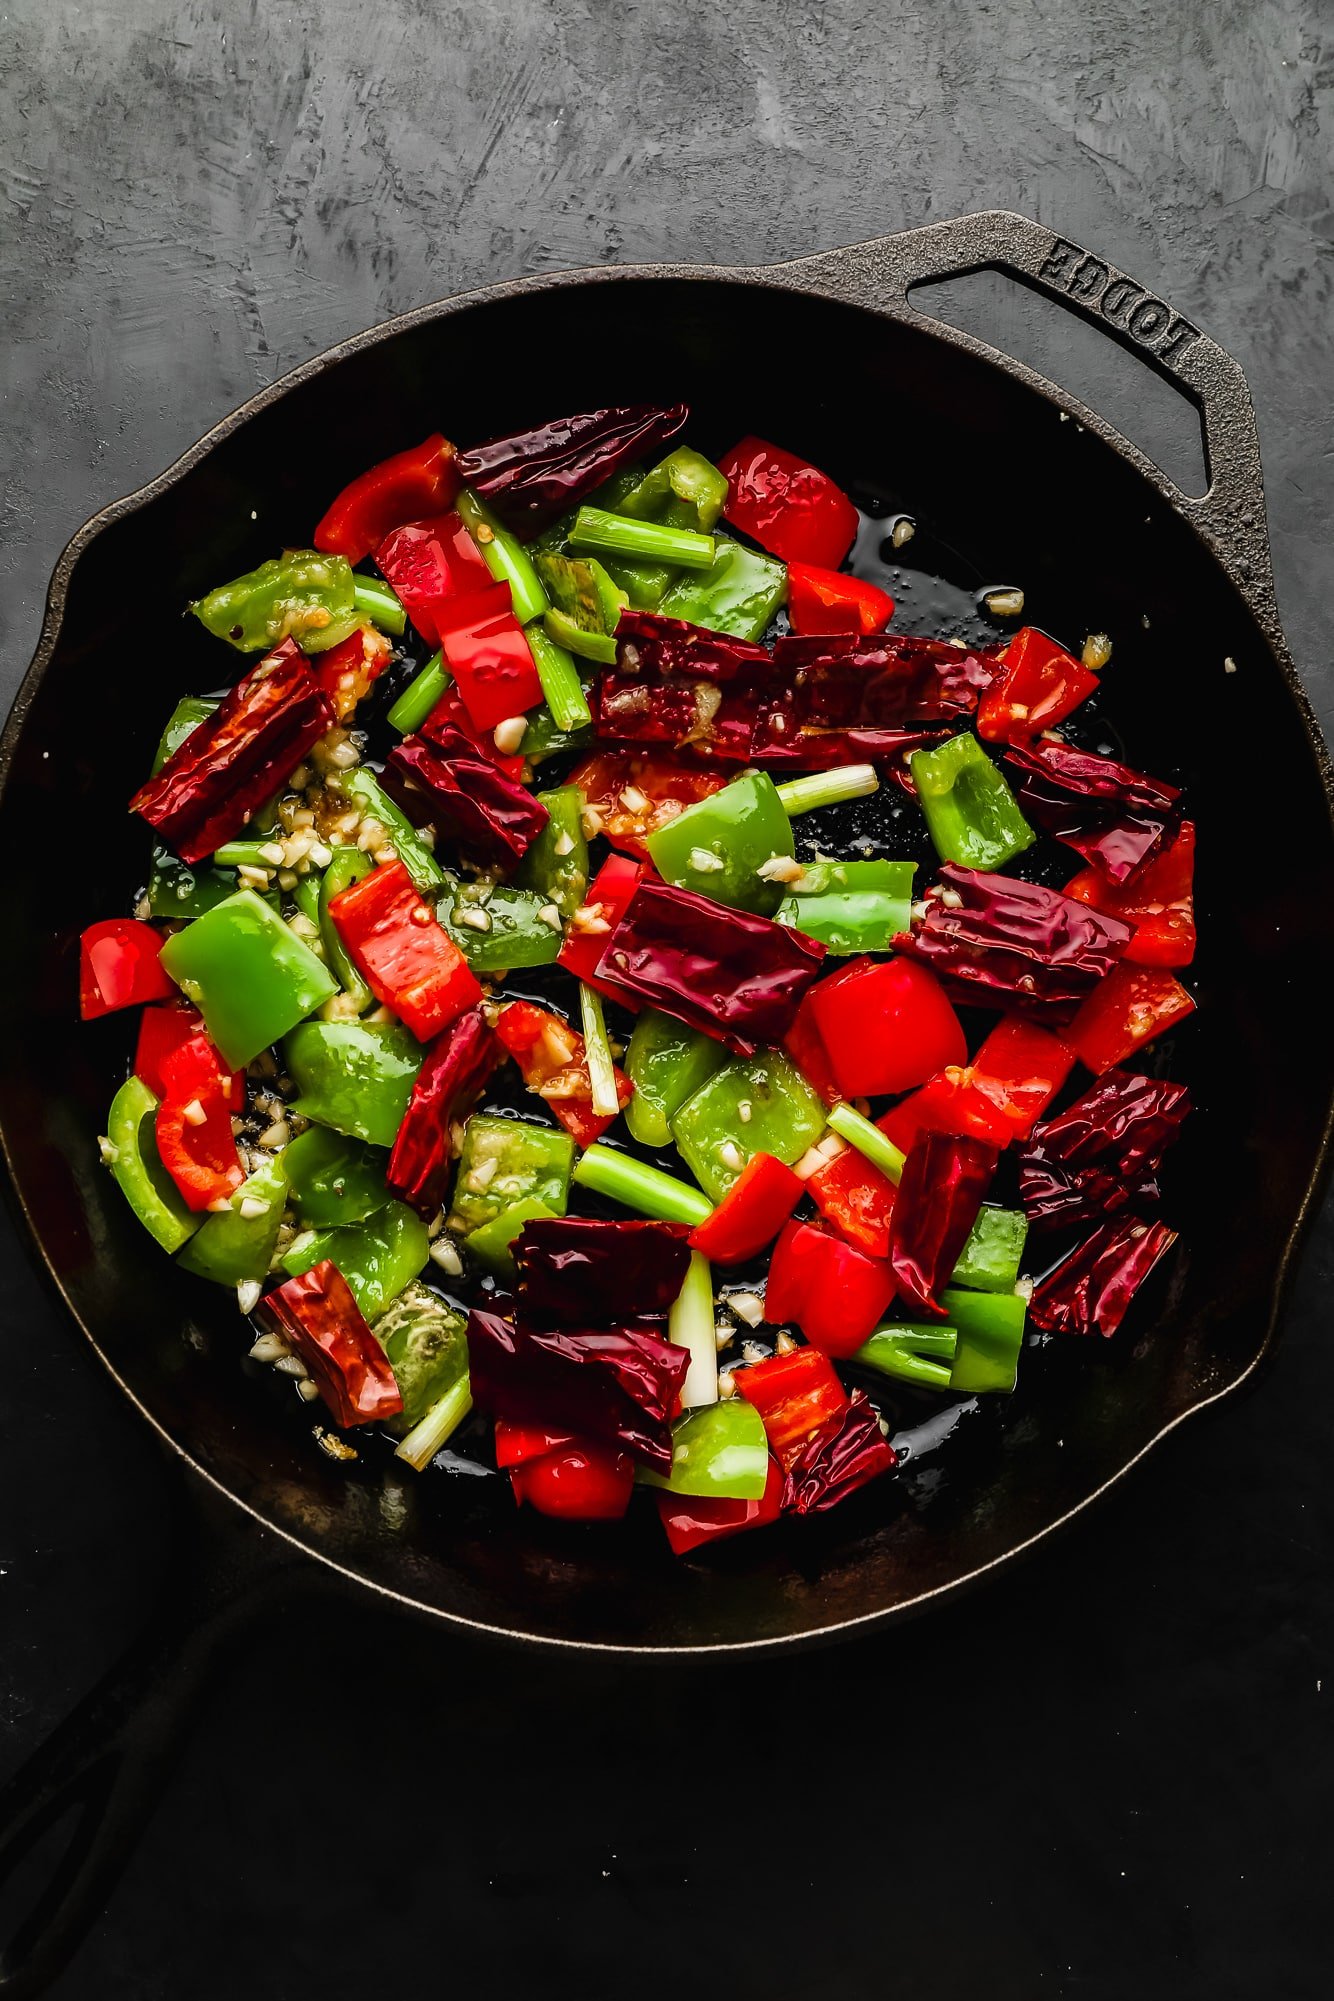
{"x": 486, "y": 652}
{"x": 552, "y": 1058}
{"x": 787, "y": 505}
{"x": 997, "y": 1097}
{"x": 829, "y": 601}
{"x": 604, "y": 906}
{"x": 841, "y": 1456}
{"x": 237, "y": 757}
{"x": 118, "y": 967}
{"x": 448, "y": 1085}
{"x": 164, "y": 1029}
{"x": 1040, "y": 684}
{"x": 794, "y": 1394}
{"x": 634, "y": 795}
{"x": 318, "y": 1317}
{"x": 516, "y": 1443}
{"x": 828, "y": 1288}
{"x": 579, "y": 1482}
{"x": 193, "y": 1126}
{"x": 1127, "y": 1009}
{"x": 887, "y": 1026}
{"x": 407, "y": 487}
{"x": 944, "y": 1179}
{"x": 805, "y": 1045}
{"x": 405, "y": 958}
{"x": 428, "y": 562}
{"x": 1089, "y": 1291}
{"x": 692, "y": 1522}
{"x": 751, "y": 1213}
{"x": 854, "y": 1196}
{"x": 1159, "y": 901}
{"x": 348, "y": 672}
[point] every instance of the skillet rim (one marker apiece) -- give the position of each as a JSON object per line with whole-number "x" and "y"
{"x": 835, "y": 275}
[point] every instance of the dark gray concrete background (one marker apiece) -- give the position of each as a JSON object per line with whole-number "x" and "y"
{"x": 1111, "y": 1773}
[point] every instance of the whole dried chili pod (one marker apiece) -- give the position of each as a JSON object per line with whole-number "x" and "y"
{"x": 1102, "y": 1153}
{"x": 1089, "y": 1291}
{"x": 939, "y": 1195}
{"x": 532, "y": 476}
{"x": 846, "y": 1451}
{"x": 882, "y": 680}
{"x": 582, "y": 1271}
{"x": 237, "y": 757}
{"x": 993, "y": 934}
{"x": 456, "y": 1066}
{"x": 446, "y": 784}
{"x": 317, "y": 1316}
{"x": 1105, "y": 811}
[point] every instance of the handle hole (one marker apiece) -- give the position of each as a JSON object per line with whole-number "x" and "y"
{"x": 1147, "y": 408}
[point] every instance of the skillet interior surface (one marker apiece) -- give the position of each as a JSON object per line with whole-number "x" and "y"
{"x": 983, "y": 456}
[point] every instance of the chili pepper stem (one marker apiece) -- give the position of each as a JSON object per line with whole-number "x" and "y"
{"x": 440, "y": 1422}
{"x": 690, "y": 1324}
{"x": 623, "y": 1179}
{"x": 560, "y": 679}
{"x": 597, "y": 1049}
{"x": 828, "y": 788}
{"x": 867, "y": 1139}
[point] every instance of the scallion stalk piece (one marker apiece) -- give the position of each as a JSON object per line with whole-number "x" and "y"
{"x": 420, "y": 696}
{"x": 560, "y": 680}
{"x": 828, "y": 788}
{"x": 690, "y": 1324}
{"x": 374, "y": 600}
{"x": 618, "y": 535}
{"x": 597, "y": 1051}
{"x": 623, "y": 1179}
{"x": 440, "y": 1422}
{"x": 505, "y": 557}
{"x": 868, "y": 1139}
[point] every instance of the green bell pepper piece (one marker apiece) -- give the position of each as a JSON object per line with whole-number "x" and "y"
{"x": 377, "y": 1258}
{"x": 491, "y": 1245}
{"x": 851, "y": 907}
{"x": 229, "y": 1248}
{"x": 582, "y": 593}
{"x": 427, "y": 1345}
{"x": 249, "y": 976}
{"x": 334, "y": 1180}
{"x": 971, "y": 813}
{"x": 519, "y": 935}
{"x": 179, "y": 889}
{"x": 139, "y": 1173}
{"x": 993, "y": 1251}
{"x": 716, "y": 1136}
{"x": 504, "y": 1161}
{"x": 306, "y": 897}
{"x": 420, "y": 696}
{"x": 666, "y": 1062}
{"x": 355, "y": 1076}
{"x": 505, "y": 556}
{"x": 990, "y": 1327}
{"x": 599, "y": 647}
{"x": 302, "y": 595}
{"x": 685, "y": 491}
{"x": 718, "y": 846}
{"x": 416, "y": 857}
{"x": 346, "y": 865}
{"x": 188, "y": 714}
{"x": 556, "y": 865}
{"x": 544, "y": 738}
{"x": 911, "y": 1353}
{"x": 645, "y": 584}
{"x": 719, "y": 1451}
{"x": 739, "y": 594}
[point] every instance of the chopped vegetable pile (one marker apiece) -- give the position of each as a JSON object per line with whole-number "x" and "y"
{"x": 524, "y": 1037}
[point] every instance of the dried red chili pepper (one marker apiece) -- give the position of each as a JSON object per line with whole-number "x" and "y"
{"x": 449, "y": 718}
{"x": 1102, "y": 1152}
{"x": 581, "y": 1271}
{"x": 940, "y": 1192}
{"x": 238, "y": 757}
{"x": 318, "y": 1317}
{"x": 616, "y": 1384}
{"x": 681, "y": 684}
{"x": 1106, "y": 812}
{"x": 992, "y": 934}
{"x": 428, "y": 562}
{"x": 848, "y": 1450}
{"x": 671, "y": 649}
{"x": 737, "y": 977}
{"x": 881, "y": 680}
{"x": 443, "y": 783}
{"x": 532, "y": 476}
{"x": 1089, "y": 1291}
{"x": 456, "y": 1066}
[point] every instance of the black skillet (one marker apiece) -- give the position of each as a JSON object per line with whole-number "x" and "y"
{"x": 829, "y": 355}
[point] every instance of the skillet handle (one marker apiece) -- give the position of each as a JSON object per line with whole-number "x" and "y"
{"x": 1231, "y": 514}
{"x": 104, "y": 1767}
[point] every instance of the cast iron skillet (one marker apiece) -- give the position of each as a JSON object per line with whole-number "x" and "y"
{"x": 829, "y": 355}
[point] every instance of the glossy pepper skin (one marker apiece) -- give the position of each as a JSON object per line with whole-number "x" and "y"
{"x": 820, "y": 600}
{"x": 831, "y": 1290}
{"x": 998, "y": 937}
{"x": 333, "y": 1180}
{"x": 348, "y": 672}
{"x": 970, "y": 811}
{"x": 318, "y": 1317}
{"x": 303, "y": 595}
{"x": 585, "y": 1271}
{"x": 428, "y": 563}
{"x": 1039, "y": 685}
{"x": 786, "y": 504}
{"x": 657, "y": 785}
{"x": 555, "y": 867}
{"x": 251, "y": 978}
{"x": 401, "y": 952}
{"x": 1114, "y": 817}
{"x": 486, "y": 652}
{"x": 881, "y": 681}
{"x": 1090, "y": 1291}
{"x": 886, "y": 1027}
{"x": 445, "y": 785}
{"x": 119, "y": 967}
{"x": 163, "y": 1029}
{"x": 355, "y": 1076}
{"x": 1103, "y": 1152}
{"x": 719, "y": 1452}
{"x": 552, "y": 1058}
{"x": 944, "y": 1180}
{"x": 795, "y": 1395}
{"x": 231, "y": 763}
{"x": 534, "y": 476}
{"x": 997, "y": 1096}
{"x": 734, "y": 975}
{"x": 193, "y": 1128}
{"x": 751, "y": 1213}
{"x": 139, "y": 1173}
{"x": 609, "y": 896}
{"x": 667, "y": 1063}
{"x": 719, "y": 847}
{"x": 851, "y": 907}
{"x": 229, "y": 1248}
{"x": 739, "y": 593}
{"x": 454, "y": 1069}
{"x": 582, "y": 1481}
{"x": 1132, "y": 1006}
{"x": 848, "y": 1450}
{"x": 1158, "y": 901}
{"x": 692, "y": 1522}
{"x": 755, "y": 1104}
{"x": 378, "y": 1257}
{"x": 411, "y": 486}
{"x": 857, "y": 1199}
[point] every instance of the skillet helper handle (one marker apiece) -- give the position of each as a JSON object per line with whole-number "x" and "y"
{"x": 98, "y": 1776}
{"x": 1231, "y": 514}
